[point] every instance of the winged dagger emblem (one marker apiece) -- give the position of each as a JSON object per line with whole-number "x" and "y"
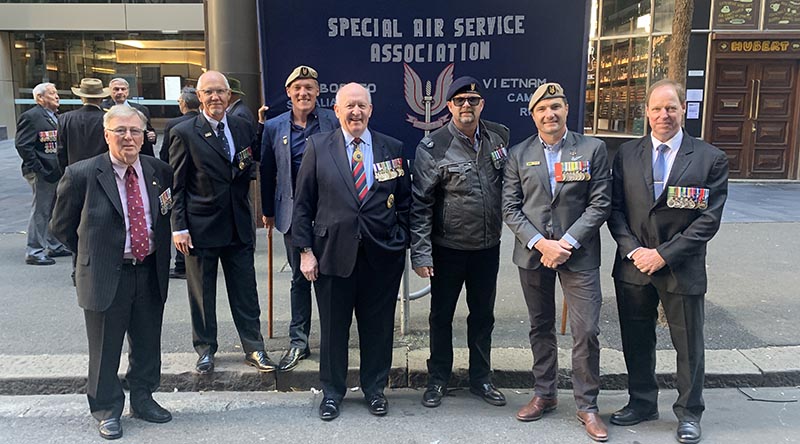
{"x": 426, "y": 101}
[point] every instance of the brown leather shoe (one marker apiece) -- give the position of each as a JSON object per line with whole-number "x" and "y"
{"x": 595, "y": 427}
{"x": 536, "y": 408}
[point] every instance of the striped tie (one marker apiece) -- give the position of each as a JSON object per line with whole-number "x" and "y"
{"x": 359, "y": 175}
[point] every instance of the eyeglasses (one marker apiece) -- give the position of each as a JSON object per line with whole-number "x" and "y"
{"x": 211, "y": 92}
{"x": 122, "y": 131}
{"x": 472, "y": 100}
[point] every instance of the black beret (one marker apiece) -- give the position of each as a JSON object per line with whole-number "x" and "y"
{"x": 464, "y": 84}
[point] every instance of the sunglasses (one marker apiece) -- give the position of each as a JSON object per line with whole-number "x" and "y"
{"x": 472, "y": 100}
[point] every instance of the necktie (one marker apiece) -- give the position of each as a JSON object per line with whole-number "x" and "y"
{"x": 140, "y": 242}
{"x": 660, "y": 170}
{"x": 223, "y": 139}
{"x": 359, "y": 175}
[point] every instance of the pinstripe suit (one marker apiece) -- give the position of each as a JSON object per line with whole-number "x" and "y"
{"x": 116, "y": 298}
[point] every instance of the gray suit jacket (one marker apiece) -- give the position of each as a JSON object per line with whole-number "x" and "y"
{"x": 576, "y": 208}
{"x": 88, "y": 218}
{"x": 277, "y": 187}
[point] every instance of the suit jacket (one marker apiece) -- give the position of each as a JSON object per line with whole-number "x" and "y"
{"x": 329, "y": 217}
{"x": 80, "y": 135}
{"x": 211, "y": 193}
{"x": 88, "y": 218}
{"x": 277, "y": 186}
{"x": 147, "y": 146}
{"x": 679, "y": 235}
{"x": 163, "y": 152}
{"x": 576, "y": 208}
{"x": 36, "y": 143}
{"x": 240, "y": 109}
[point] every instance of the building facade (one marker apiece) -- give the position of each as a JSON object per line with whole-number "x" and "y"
{"x": 742, "y": 83}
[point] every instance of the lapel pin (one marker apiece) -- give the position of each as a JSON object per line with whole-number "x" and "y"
{"x": 285, "y": 140}
{"x": 208, "y": 134}
{"x": 534, "y": 163}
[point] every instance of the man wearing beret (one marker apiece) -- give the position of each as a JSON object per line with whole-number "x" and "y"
{"x": 456, "y": 223}
{"x": 282, "y": 148}
{"x": 556, "y": 195}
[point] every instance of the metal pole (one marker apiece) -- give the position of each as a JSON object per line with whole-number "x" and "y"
{"x": 269, "y": 282}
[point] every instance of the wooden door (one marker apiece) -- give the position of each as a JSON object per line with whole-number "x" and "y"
{"x": 754, "y": 116}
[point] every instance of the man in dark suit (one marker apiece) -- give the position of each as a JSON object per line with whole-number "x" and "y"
{"x": 189, "y": 105}
{"x": 669, "y": 190}
{"x": 282, "y": 149}
{"x": 556, "y": 196}
{"x": 456, "y": 223}
{"x": 113, "y": 211}
{"x": 80, "y": 131}
{"x": 120, "y": 90}
{"x": 36, "y": 145}
{"x": 350, "y": 223}
{"x": 238, "y": 108}
{"x": 212, "y": 221}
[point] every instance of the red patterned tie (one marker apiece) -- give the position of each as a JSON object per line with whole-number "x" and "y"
{"x": 359, "y": 175}
{"x": 140, "y": 242}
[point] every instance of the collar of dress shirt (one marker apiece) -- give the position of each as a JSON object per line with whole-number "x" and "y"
{"x": 366, "y": 138}
{"x": 674, "y": 144}
{"x": 214, "y": 123}
{"x": 557, "y": 146}
{"x": 120, "y": 168}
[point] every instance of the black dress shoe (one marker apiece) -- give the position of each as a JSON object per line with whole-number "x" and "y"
{"x": 37, "y": 260}
{"x": 292, "y": 357}
{"x": 110, "y": 428}
{"x": 261, "y": 361}
{"x": 59, "y": 253}
{"x": 688, "y": 432}
{"x": 328, "y": 409}
{"x": 205, "y": 363}
{"x": 177, "y": 274}
{"x": 433, "y": 395}
{"x": 150, "y": 411}
{"x": 489, "y": 394}
{"x": 378, "y": 405}
{"x": 628, "y": 416}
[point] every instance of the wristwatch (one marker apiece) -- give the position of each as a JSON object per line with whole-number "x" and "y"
{"x": 305, "y": 250}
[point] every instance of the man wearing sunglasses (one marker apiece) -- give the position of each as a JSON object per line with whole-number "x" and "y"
{"x": 456, "y": 224}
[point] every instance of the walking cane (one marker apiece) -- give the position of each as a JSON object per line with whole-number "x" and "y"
{"x": 269, "y": 280}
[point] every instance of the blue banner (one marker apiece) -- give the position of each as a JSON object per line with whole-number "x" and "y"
{"x": 403, "y": 51}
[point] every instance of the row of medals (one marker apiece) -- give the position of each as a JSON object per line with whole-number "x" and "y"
{"x": 575, "y": 176}
{"x": 686, "y": 202}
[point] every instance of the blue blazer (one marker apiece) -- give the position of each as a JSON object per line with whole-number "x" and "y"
{"x": 277, "y": 187}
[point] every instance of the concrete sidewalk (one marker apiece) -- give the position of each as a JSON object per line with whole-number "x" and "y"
{"x": 751, "y": 330}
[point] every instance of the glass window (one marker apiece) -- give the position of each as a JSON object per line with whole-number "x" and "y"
{"x": 622, "y": 83}
{"x": 143, "y": 59}
{"x": 663, "y": 13}
{"x": 735, "y": 14}
{"x": 660, "y": 61}
{"x": 625, "y": 17}
{"x": 588, "y": 118}
{"x": 782, "y": 14}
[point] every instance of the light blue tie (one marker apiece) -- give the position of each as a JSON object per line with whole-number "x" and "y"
{"x": 660, "y": 170}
